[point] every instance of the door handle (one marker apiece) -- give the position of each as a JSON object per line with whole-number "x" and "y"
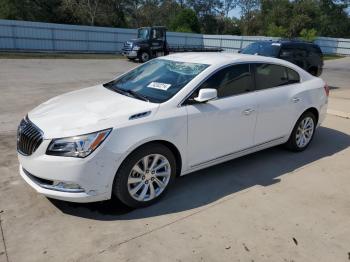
{"x": 248, "y": 111}
{"x": 296, "y": 99}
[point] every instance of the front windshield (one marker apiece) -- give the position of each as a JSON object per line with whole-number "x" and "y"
{"x": 158, "y": 80}
{"x": 143, "y": 33}
{"x": 263, "y": 48}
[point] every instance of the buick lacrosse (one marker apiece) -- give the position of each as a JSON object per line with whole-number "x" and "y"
{"x": 173, "y": 115}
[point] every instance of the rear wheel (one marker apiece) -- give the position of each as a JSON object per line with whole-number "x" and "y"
{"x": 302, "y": 133}
{"x": 145, "y": 175}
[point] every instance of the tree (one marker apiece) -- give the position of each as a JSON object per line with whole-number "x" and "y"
{"x": 275, "y": 17}
{"x": 185, "y": 21}
{"x": 308, "y": 34}
{"x": 334, "y": 20}
{"x": 228, "y": 26}
{"x": 277, "y": 31}
{"x": 205, "y": 7}
{"x": 228, "y": 5}
{"x": 249, "y": 16}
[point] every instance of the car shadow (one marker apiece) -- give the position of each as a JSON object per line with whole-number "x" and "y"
{"x": 203, "y": 187}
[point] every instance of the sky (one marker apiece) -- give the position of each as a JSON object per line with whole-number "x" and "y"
{"x": 235, "y": 12}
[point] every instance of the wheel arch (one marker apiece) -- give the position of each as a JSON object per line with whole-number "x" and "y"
{"x": 313, "y": 69}
{"x": 314, "y": 111}
{"x": 169, "y": 145}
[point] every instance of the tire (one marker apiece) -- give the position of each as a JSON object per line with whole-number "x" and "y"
{"x": 131, "y": 58}
{"x": 295, "y": 141}
{"x": 144, "y": 57}
{"x": 129, "y": 185}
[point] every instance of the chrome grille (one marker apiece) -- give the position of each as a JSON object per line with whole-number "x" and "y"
{"x": 127, "y": 45}
{"x": 29, "y": 137}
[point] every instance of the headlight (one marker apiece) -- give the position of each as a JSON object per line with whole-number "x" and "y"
{"x": 136, "y": 47}
{"x": 77, "y": 146}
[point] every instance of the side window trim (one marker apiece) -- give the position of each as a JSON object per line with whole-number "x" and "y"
{"x": 183, "y": 102}
{"x": 251, "y": 70}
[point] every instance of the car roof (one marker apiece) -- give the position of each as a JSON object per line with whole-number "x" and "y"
{"x": 288, "y": 42}
{"x": 217, "y": 58}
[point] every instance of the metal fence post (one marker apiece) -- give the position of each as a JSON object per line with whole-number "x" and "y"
{"x": 116, "y": 39}
{"x": 53, "y": 39}
{"x": 14, "y": 36}
{"x": 87, "y": 41}
{"x": 241, "y": 45}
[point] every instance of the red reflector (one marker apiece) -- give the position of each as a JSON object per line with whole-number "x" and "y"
{"x": 326, "y": 89}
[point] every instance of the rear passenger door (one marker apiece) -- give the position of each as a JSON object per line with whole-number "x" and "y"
{"x": 277, "y": 104}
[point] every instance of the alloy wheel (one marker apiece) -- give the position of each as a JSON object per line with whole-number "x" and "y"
{"x": 149, "y": 177}
{"x": 304, "y": 132}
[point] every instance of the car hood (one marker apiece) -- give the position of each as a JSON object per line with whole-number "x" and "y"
{"x": 86, "y": 110}
{"x": 138, "y": 41}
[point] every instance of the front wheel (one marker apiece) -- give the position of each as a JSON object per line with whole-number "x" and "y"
{"x": 144, "y": 57}
{"x": 302, "y": 133}
{"x": 145, "y": 175}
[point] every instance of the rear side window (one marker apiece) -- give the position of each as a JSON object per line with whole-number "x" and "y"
{"x": 300, "y": 52}
{"x": 268, "y": 76}
{"x": 232, "y": 80}
{"x": 293, "y": 76}
{"x": 315, "y": 50}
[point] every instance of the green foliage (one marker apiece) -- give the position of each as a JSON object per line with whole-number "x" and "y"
{"x": 276, "y": 31}
{"x": 229, "y": 26}
{"x": 185, "y": 21}
{"x": 282, "y": 18}
{"x": 308, "y": 34}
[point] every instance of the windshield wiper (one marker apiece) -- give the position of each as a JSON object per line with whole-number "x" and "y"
{"x": 135, "y": 94}
{"x": 126, "y": 92}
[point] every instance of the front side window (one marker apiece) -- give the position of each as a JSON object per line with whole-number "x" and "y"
{"x": 157, "y": 80}
{"x": 232, "y": 80}
{"x": 269, "y": 75}
{"x": 157, "y": 34}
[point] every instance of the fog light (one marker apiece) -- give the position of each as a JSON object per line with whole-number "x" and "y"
{"x": 64, "y": 187}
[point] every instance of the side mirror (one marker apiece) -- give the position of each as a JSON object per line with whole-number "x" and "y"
{"x": 206, "y": 94}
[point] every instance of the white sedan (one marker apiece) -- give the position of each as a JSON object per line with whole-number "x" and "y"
{"x": 169, "y": 117}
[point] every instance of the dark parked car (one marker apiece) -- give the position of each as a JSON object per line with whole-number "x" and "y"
{"x": 304, "y": 54}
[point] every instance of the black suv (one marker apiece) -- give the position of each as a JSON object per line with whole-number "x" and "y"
{"x": 304, "y": 54}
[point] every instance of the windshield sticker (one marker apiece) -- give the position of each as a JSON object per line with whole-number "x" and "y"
{"x": 276, "y": 44}
{"x": 160, "y": 86}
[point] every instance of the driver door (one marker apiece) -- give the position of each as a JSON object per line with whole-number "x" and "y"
{"x": 226, "y": 125}
{"x": 157, "y": 41}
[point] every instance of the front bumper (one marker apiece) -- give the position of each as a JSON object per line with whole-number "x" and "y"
{"x": 129, "y": 53}
{"x": 94, "y": 174}
{"x": 81, "y": 197}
